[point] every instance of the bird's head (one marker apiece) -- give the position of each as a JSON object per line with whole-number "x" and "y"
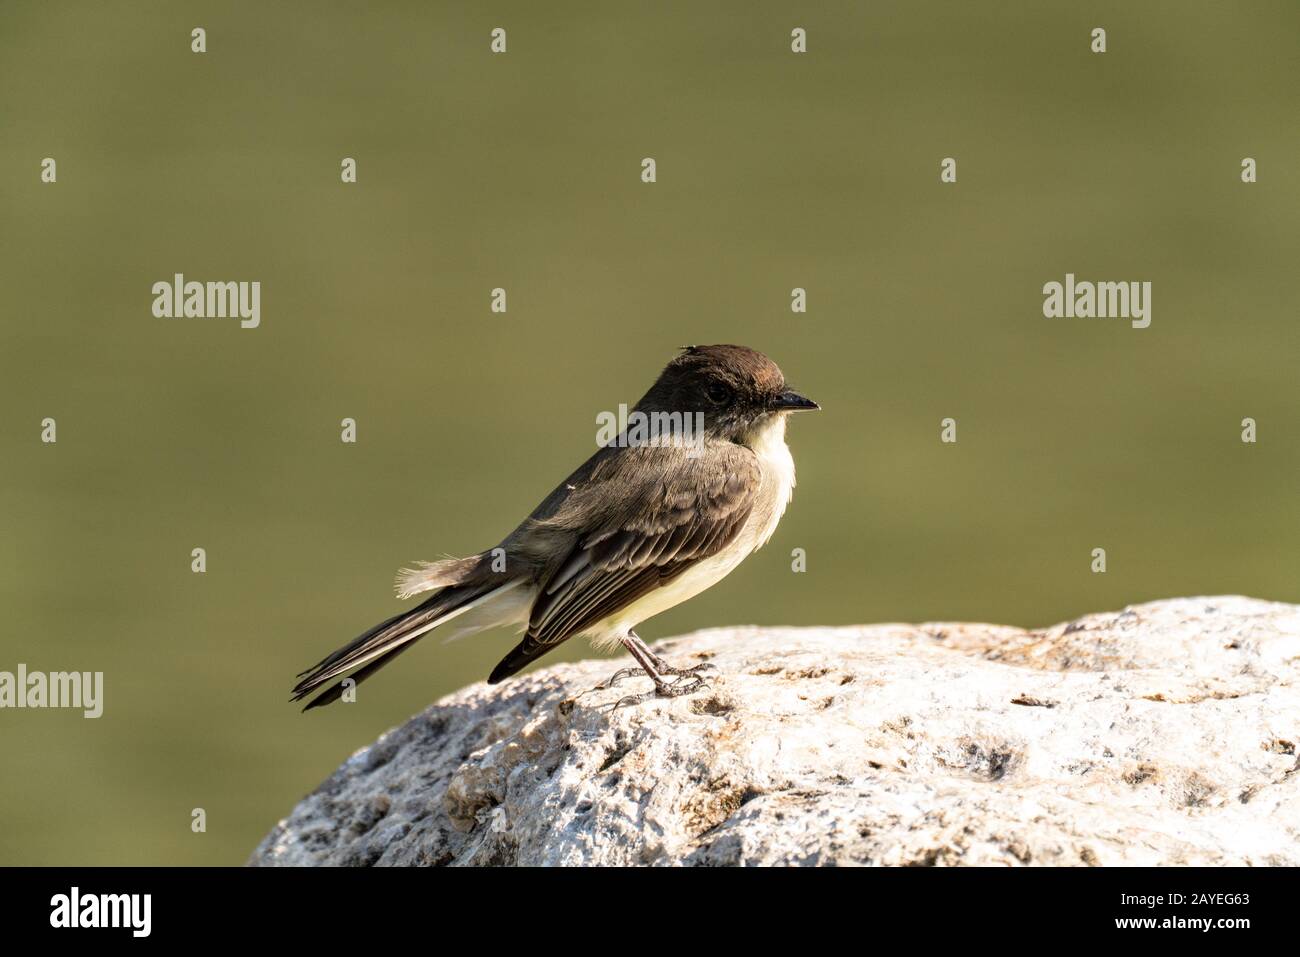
{"x": 739, "y": 392}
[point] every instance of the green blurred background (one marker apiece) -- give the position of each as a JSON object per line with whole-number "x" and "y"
{"x": 522, "y": 171}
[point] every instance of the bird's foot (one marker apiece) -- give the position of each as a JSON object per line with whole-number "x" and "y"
{"x": 661, "y": 667}
{"x": 688, "y": 683}
{"x": 619, "y": 675}
{"x": 669, "y": 670}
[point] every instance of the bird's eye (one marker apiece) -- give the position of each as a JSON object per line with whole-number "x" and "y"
{"x": 717, "y": 393}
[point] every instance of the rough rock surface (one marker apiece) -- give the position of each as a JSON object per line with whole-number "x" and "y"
{"x": 1162, "y": 734}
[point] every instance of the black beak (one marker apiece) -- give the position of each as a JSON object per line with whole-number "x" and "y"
{"x": 789, "y": 401}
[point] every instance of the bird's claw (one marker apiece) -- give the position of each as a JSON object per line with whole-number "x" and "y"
{"x": 686, "y": 683}
{"x": 689, "y": 671}
{"x": 619, "y": 675}
{"x": 663, "y": 668}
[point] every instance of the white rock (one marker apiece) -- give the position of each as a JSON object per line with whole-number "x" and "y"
{"x": 1162, "y": 734}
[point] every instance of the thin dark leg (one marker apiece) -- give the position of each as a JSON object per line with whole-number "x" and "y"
{"x": 655, "y": 668}
{"x": 641, "y": 653}
{"x": 661, "y": 666}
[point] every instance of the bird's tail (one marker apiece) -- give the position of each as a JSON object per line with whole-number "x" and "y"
{"x": 384, "y": 642}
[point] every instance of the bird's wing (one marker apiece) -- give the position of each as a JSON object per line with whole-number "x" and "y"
{"x": 672, "y": 511}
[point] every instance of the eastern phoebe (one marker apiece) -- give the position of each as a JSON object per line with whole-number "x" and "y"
{"x": 640, "y": 527}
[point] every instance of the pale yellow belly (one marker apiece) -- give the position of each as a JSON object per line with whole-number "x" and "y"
{"x": 685, "y": 586}
{"x": 773, "y": 498}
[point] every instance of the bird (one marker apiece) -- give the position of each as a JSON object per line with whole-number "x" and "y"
{"x": 646, "y": 523}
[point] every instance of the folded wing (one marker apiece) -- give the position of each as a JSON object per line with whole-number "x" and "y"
{"x": 672, "y": 512}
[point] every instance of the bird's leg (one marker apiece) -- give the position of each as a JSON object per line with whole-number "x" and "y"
{"x": 661, "y": 666}
{"x": 655, "y": 668}
{"x": 657, "y": 665}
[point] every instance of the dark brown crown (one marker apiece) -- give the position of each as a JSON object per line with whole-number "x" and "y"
{"x": 747, "y": 370}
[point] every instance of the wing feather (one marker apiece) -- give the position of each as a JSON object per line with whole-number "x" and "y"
{"x": 673, "y": 512}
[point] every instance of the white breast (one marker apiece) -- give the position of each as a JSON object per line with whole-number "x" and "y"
{"x": 778, "y": 481}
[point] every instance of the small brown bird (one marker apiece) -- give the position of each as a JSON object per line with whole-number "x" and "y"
{"x": 647, "y": 522}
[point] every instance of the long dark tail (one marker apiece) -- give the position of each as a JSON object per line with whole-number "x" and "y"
{"x": 382, "y": 643}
